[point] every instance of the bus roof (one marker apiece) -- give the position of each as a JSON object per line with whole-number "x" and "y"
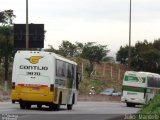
{"x": 148, "y": 73}
{"x": 142, "y": 72}
{"x": 47, "y": 53}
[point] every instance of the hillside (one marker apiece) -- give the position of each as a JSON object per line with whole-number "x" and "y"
{"x": 105, "y": 75}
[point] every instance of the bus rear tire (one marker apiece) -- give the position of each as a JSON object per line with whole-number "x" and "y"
{"x": 69, "y": 107}
{"x": 51, "y": 107}
{"x": 39, "y": 106}
{"x": 22, "y": 105}
{"x": 130, "y": 104}
{"x": 28, "y": 106}
{"x": 56, "y": 107}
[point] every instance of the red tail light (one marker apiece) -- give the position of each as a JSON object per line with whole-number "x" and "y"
{"x": 13, "y": 85}
{"x": 51, "y": 87}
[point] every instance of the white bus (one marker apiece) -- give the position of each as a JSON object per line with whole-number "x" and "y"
{"x": 44, "y": 78}
{"x": 139, "y": 87}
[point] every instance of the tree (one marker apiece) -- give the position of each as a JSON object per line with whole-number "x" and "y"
{"x": 145, "y": 56}
{"x": 4, "y": 31}
{"x": 143, "y": 46}
{"x": 137, "y": 59}
{"x": 151, "y": 60}
{"x": 94, "y": 53}
{"x": 67, "y": 49}
{"x": 156, "y": 44}
{"x": 79, "y": 48}
{"x": 90, "y": 51}
{"x": 6, "y": 17}
{"x": 122, "y": 55}
{"x": 6, "y": 37}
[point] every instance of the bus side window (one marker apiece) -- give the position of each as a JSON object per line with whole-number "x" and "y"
{"x": 69, "y": 71}
{"x": 61, "y": 68}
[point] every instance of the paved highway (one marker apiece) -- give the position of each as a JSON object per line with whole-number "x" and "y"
{"x": 81, "y": 111}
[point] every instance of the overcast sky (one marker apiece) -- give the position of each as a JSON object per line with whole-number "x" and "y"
{"x": 105, "y": 22}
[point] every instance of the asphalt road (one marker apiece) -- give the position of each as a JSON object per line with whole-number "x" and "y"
{"x": 80, "y": 111}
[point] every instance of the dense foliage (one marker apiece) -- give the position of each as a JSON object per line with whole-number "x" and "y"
{"x": 152, "y": 107}
{"x": 144, "y": 56}
{"x": 6, "y": 17}
{"x": 6, "y": 35}
{"x": 90, "y": 51}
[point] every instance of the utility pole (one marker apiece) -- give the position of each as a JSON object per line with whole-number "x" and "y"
{"x": 27, "y": 28}
{"x": 129, "y": 51}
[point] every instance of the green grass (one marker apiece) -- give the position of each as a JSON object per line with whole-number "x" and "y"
{"x": 86, "y": 85}
{"x": 99, "y": 85}
{"x": 152, "y": 107}
{"x": 150, "y": 110}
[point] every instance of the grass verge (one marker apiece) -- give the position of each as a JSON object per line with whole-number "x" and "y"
{"x": 151, "y": 110}
{"x": 99, "y": 85}
{"x": 152, "y": 107}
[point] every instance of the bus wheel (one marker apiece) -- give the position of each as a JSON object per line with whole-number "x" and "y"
{"x": 130, "y": 104}
{"x": 133, "y": 105}
{"x": 56, "y": 107}
{"x": 51, "y": 107}
{"x": 22, "y": 105}
{"x": 28, "y": 106}
{"x": 69, "y": 107}
{"x": 39, "y": 106}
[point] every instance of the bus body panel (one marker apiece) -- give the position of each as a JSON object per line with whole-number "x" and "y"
{"x": 133, "y": 97}
{"x": 35, "y": 74}
{"x": 32, "y": 77}
{"x": 135, "y": 89}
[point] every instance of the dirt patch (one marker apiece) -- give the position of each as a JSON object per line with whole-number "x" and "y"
{"x": 98, "y": 98}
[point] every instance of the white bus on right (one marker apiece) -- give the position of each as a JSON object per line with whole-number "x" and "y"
{"x": 139, "y": 87}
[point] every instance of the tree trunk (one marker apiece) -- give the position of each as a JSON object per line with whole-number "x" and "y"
{"x": 0, "y": 68}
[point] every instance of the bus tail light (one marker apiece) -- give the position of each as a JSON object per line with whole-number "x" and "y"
{"x": 13, "y": 85}
{"x": 51, "y": 88}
